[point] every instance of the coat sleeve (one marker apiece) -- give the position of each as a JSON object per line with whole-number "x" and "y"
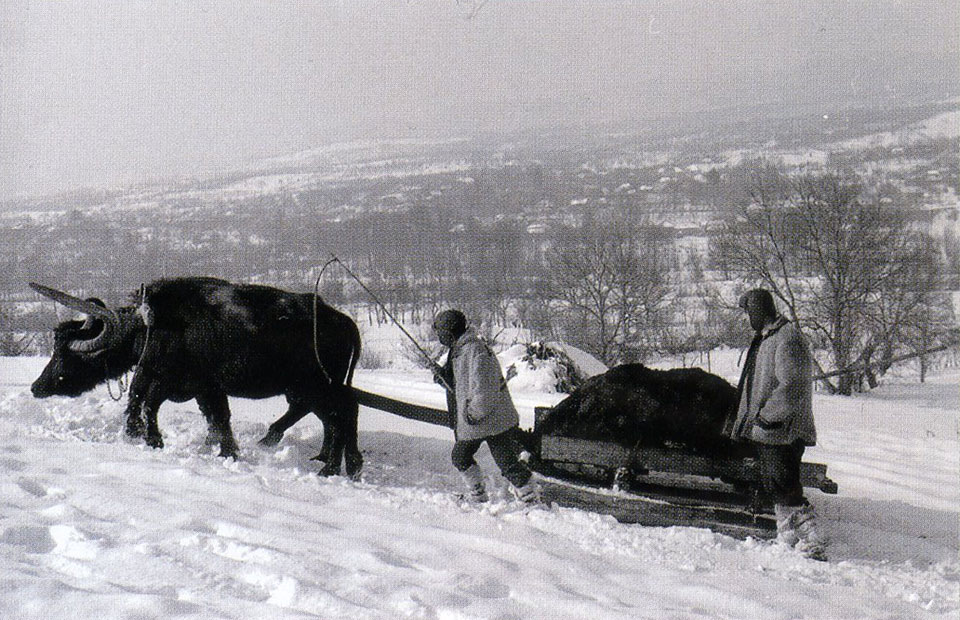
{"x": 466, "y": 382}
{"x": 792, "y": 369}
{"x": 462, "y": 383}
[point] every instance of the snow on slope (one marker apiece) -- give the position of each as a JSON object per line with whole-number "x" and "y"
{"x": 360, "y": 151}
{"x": 92, "y": 526}
{"x": 945, "y": 125}
{"x": 259, "y": 185}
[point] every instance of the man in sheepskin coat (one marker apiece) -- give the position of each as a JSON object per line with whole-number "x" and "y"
{"x": 481, "y": 410}
{"x": 775, "y": 411}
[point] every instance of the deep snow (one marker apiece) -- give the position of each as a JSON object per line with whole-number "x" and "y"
{"x": 93, "y": 526}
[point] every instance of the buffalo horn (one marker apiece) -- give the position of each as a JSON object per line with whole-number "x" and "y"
{"x": 85, "y": 306}
{"x": 90, "y": 308}
{"x": 97, "y": 343}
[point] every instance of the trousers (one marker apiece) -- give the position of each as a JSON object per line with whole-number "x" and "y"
{"x": 504, "y": 450}
{"x": 780, "y": 469}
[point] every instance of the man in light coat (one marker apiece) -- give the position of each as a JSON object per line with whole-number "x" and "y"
{"x": 775, "y": 411}
{"x": 481, "y": 410}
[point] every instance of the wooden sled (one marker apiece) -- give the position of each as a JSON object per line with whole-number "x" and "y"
{"x": 663, "y": 485}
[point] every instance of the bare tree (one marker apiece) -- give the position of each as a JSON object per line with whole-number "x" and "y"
{"x": 924, "y": 317}
{"x": 495, "y": 266}
{"x": 10, "y": 343}
{"x": 609, "y": 287}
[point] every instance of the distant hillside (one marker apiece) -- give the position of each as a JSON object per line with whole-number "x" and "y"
{"x": 809, "y": 139}
{"x": 939, "y": 127}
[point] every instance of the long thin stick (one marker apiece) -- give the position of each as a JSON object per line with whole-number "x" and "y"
{"x": 863, "y": 368}
{"x": 394, "y": 319}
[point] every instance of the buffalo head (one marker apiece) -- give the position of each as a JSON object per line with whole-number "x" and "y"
{"x": 85, "y": 353}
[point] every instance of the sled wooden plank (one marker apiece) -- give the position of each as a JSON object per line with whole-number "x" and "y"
{"x": 656, "y": 512}
{"x": 539, "y": 413}
{"x": 584, "y": 451}
{"x": 611, "y": 455}
{"x": 608, "y": 454}
{"x": 410, "y": 411}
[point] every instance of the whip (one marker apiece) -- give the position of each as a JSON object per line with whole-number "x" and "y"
{"x": 376, "y": 299}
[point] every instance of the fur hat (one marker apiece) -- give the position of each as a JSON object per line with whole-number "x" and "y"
{"x": 758, "y": 299}
{"x": 452, "y": 321}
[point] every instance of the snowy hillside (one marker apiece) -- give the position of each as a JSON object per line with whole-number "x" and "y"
{"x": 92, "y": 526}
{"x": 340, "y": 155}
{"x": 945, "y": 125}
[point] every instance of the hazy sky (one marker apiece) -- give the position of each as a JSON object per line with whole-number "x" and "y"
{"x": 97, "y": 92}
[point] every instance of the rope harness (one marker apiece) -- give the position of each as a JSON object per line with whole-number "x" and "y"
{"x": 146, "y": 315}
{"x": 122, "y": 385}
{"x": 316, "y": 320}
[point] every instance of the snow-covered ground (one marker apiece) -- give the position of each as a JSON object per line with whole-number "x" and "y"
{"x": 92, "y": 526}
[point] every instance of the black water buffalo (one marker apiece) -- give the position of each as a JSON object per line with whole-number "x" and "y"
{"x": 632, "y": 404}
{"x": 207, "y": 339}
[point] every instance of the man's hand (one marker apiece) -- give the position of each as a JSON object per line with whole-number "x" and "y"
{"x": 440, "y": 376}
{"x": 437, "y": 371}
{"x": 768, "y": 426}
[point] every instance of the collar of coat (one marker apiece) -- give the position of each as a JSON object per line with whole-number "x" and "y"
{"x": 467, "y": 337}
{"x": 774, "y": 327}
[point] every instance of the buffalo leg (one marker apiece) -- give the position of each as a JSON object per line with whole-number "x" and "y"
{"x": 213, "y": 433}
{"x": 294, "y": 414}
{"x": 217, "y": 411}
{"x": 151, "y": 405}
{"x": 139, "y": 386}
{"x": 328, "y": 432}
{"x": 144, "y": 380}
{"x": 352, "y": 455}
{"x": 335, "y": 454}
{"x": 333, "y": 441}
{"x": 134, "y": 414}
{"x": 343, "y": 418}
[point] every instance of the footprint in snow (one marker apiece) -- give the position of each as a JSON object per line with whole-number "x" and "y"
{"x": 31, "y": 538}
{"x": 12, "y": 465}
{"x": 32, "y": 487}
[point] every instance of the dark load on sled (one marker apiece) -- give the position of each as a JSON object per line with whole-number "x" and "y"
{"x": 634, "y": 405}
